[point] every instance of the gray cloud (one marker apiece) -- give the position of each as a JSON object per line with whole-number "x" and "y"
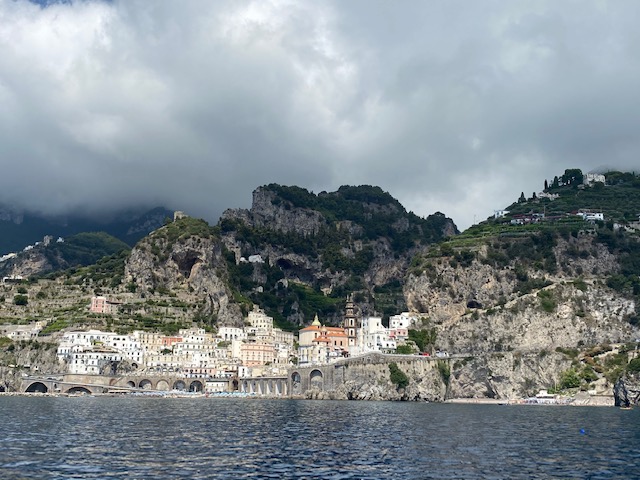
{"x": 450, "y": 106}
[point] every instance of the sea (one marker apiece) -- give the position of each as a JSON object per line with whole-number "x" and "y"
{"x": 228, "y": 438}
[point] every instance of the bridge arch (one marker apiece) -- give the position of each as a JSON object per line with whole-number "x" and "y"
{"x": 162, "y": 385}
{"x": 131, "y": 384}
{"x": 196, "y": 386}
{"x": 75, "y": 390}
{"x": 316, "y": 378}
{"x": 296, "y": 383}
{"x": 145, "y": 384}
{"x": 37, "y": 387}
{"x": 179, "y": 385}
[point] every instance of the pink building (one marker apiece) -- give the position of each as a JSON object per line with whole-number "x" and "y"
{"x": 103, "y": 305}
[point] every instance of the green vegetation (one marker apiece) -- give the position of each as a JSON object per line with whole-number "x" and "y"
{"x": 445, "y": 371}
{"x": 547, "y": 302}
{"x": 20, "y": 300}
{"x": 107, "y": 271}
{"x": 634, "y": 366}
{"x": 404, "y": 350}
{"x": 83, "y": 249}
{"x": 424, "y": 339}
{"x": 54, "y": 326}
{"x": 397, "y": 376}
{"x": 569, "y": 379}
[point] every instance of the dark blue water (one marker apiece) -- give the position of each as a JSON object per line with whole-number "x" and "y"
{"x": 139, "y": 438}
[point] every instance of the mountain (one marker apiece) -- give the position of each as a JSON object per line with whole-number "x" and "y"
{"x": 535, "y": 297}
{"x": 18, "y": 228}
{"x": 297, "y": 253}
{"x": 538, "y": 279}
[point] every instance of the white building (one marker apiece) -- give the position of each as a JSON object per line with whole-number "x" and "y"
{"x": 92, "y": 362}
{"x": 231, "y": 333}
{"x": 95, "y": 341}
{"x": 404, "y": 320}
{"x": 374, "y": 337}
{"x": 591, "y": 216}
{"x": 591, "y": 178}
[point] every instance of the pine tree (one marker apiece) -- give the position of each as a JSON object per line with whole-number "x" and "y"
{"x": 522, "y": 198}
{"x": 546, "y": 185}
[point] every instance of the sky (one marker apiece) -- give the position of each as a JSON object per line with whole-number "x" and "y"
{"x": 454, "y": 106}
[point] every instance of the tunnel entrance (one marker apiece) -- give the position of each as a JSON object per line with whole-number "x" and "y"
{"x": 79, "y": 391}
{"x": 37, "y": 387}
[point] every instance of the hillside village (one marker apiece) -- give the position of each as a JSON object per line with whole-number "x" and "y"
{"x": 542, "y": 294}
{"x": 256, "y": 349}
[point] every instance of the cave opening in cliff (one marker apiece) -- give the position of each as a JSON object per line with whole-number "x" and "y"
{"x": 284, "y": 264}
{"x": 185, "y": 262}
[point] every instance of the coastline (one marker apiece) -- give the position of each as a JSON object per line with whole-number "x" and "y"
{"x": 577, "y": 401}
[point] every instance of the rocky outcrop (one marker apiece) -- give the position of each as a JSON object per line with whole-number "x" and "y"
{"x": 193, "y": 265}
{"x": 506, "y": 375}
{"x": 369, "y": 378}
{"x": 479, "y": 308}
{"x": 626, "y": 391}
{"x": 27, "y": 264}
{"x": 269, "y": 211}
{"x": 21, "y": 357}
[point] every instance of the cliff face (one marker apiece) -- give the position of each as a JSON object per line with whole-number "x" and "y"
{"x": 512, "y": 316}
{"x": 355, "y": 239}
{"x": 190, "y": 266}
{"x": 21, "y": 357}
{"x": 477, "y": 307}
{"x": 268, "y": 211}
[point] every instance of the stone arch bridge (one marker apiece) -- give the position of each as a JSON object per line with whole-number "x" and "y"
{"x": 298, "y": 380}
{"x": 96, "y": 384}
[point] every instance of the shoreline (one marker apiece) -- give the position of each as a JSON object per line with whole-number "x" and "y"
{"x": 583, "y": 401}
{"x": 586, "y": 401}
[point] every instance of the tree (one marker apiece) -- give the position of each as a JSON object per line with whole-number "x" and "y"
{"x": 546, "y": 185}
{"x": 404, "y": 350}
{"x": 522, "y": 198}
{"x": 572, "y": 176}
{"x": 20, "y": 300}
{"x": 397, "y": 376}
{"x": 556, "y": 182}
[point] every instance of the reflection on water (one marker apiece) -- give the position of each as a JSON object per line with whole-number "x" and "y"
{"x": 94, "y": 437}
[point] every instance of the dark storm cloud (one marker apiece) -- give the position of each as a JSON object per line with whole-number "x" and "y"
{"x": 450, "y": 106}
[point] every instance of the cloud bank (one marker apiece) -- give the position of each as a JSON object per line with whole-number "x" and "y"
{"x": 449, "y": 106}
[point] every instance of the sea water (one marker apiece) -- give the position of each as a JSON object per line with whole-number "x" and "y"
{"x": 200, "y": 438}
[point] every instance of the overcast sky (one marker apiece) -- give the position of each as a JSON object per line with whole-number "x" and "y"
{"x": 451, "y": 106}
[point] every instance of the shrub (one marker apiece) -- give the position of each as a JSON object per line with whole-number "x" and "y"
{"x": 445, "y": 371}
{"x": 20, "y": 300}
{"x": 404, "y": 350}
{"x": 569, "y": 379}
{"x": 634, "y": 365}
{"x": 397, "y": 376}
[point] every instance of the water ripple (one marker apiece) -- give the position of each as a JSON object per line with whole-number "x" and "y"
{"x": 118, "y": 438}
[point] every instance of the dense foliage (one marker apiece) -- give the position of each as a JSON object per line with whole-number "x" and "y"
{"x": 357, "y": 222}
{"x": 397, "y": 376}
{"x": 83, "y": 249}
{"x": 371, "y": 208}
{"x": 618, "y": 198}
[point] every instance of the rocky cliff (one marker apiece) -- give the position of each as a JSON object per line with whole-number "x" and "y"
{"x": 356, "y": 239}
{"x": 185, "y": 258}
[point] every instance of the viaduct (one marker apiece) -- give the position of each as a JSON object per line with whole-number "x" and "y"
{"x": 297, "y": 381}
